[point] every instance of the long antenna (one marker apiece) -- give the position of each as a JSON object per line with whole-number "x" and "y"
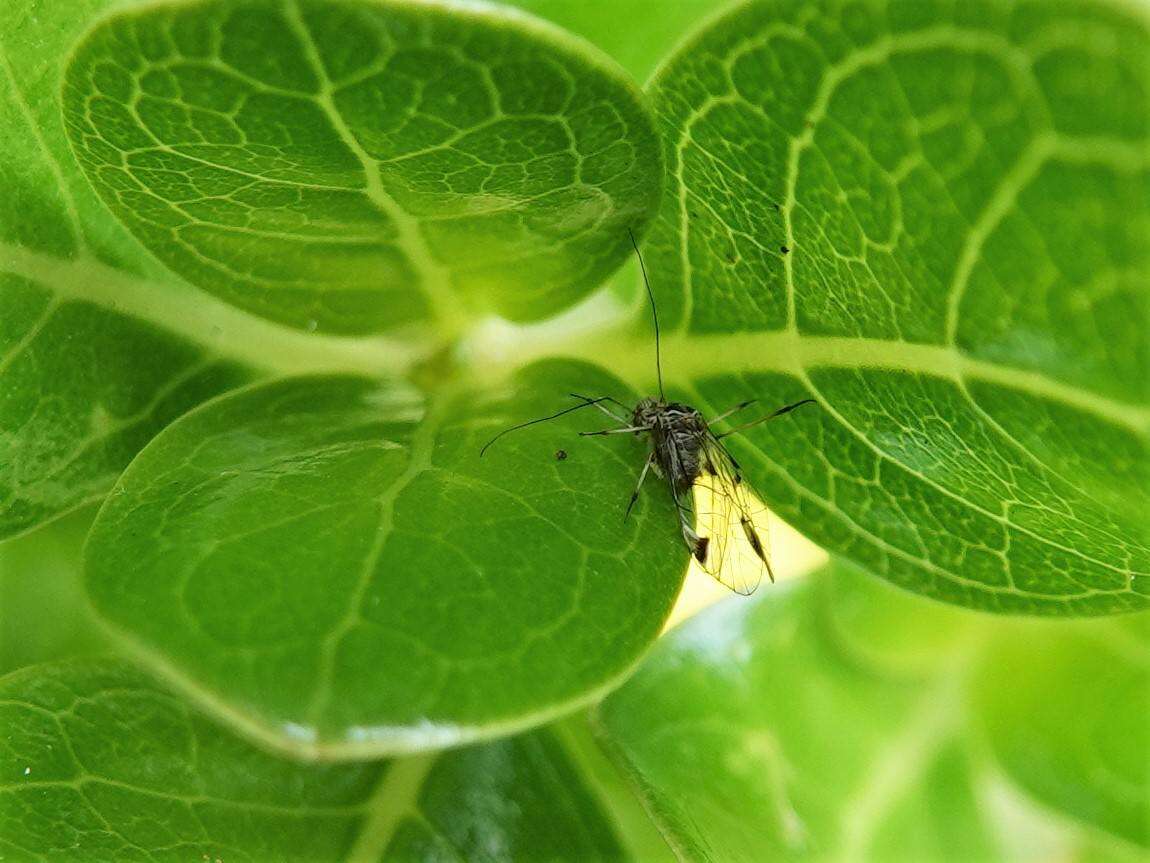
{"x": 654, "y": 314}
{"x": 585, "y": 404}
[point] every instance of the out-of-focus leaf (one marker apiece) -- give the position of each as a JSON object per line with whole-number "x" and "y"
{"x": 839, "y": 719}
{"x": 1068, "y": 718}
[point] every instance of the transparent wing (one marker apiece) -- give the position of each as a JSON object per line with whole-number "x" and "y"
{"x": 731, "y": 520}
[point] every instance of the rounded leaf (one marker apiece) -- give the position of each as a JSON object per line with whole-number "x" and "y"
{"x": 932, "y": 220}
{"x": 356, "y": 165}
{"x": 329, "y": 564}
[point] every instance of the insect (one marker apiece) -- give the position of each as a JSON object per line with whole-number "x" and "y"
{"x": 716, "y": 515}
{"x": 560, "y": 455}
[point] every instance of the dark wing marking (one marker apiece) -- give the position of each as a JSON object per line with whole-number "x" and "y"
{"x": 733, "y": 526}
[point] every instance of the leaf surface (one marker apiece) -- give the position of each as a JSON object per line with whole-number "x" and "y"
{"x": 81, "y": 304}
{"x": 100, "y": 763}
{"x": 840, "y": 719}
{"x": 932, "y": 219}
{"x": 330, "y": 564}
{"x": 357, "y": 166}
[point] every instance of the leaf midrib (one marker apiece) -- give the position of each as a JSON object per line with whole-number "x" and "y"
{"x": 420, "y": 451}
{"x": 433, "y": 280}
{"x": 202, "y": 319}
{"x": 938, "y": 716}
{"x": 694, "y": 356}
{"x": 395, "y": 798}
{"x": 691, "y": 357}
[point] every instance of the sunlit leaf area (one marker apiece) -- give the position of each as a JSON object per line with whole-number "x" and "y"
{"x": 575, "y": 430}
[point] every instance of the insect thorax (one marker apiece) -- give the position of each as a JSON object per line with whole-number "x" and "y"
{"x": 677, "y": 433}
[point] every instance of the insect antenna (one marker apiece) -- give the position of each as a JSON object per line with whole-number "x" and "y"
{"x": 654, "y": 314}
{"x": 586, "y": 403}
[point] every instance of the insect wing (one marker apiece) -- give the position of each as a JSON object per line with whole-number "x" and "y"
{"x": 731, "y": 520}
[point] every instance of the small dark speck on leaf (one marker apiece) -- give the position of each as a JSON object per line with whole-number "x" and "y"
{"x": 560, "y": 455}
{"x": 784, "y": 249}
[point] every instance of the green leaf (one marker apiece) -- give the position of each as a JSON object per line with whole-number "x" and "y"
{"x": 839, "y": 718}
{"x": 78, "y": 400}
{"x": 99, "y": 763}
{"x": 44, "y": 614}
{"x": 931, "y": 218}
{"x": 99, "y": 349}
{"x": 356, "y": 166}
{"x": 329, "y": 564}
{"x": 1067, "y": 719}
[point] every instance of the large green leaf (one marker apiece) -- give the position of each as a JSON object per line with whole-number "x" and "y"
{"x": 932, "y": 218}
{"x": 99, "y": 347}
{"x": 355, "y": 165}
{"x": 97, "y": 763}
{"x": 328, "y": 562}
{"x": 840, "y": 719}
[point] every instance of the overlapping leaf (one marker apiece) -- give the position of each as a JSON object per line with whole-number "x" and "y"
{"x": 76, "y": 400}
{"x": 931, "y": 218}
{"x": 99, "y": 347}
{"x": 330, "y": 564}
{"x": 565, "y": 151}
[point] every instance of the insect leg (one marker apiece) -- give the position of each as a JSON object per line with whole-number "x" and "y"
{"x": 556, "y": 415}
{"x": 625, "y": 430}
{"x": 740, "y": 406}
{"x": 695, "y": 543}
{"x": 639, "y": 485}
{"x": 625, "y": 418}
{"x": 786, "y": 409}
